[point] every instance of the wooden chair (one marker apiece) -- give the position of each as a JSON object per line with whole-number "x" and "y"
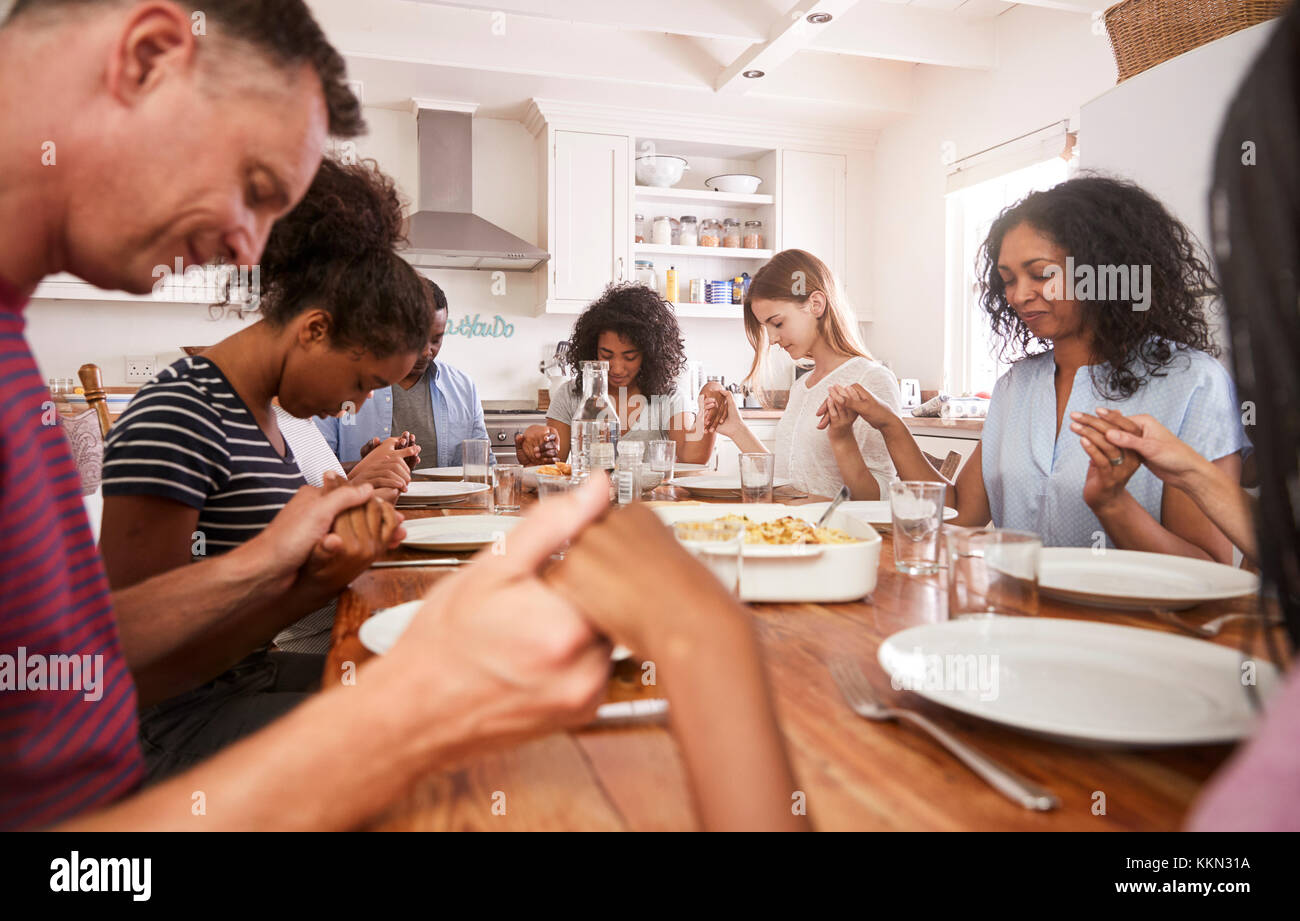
{"x": 947, "y": 467}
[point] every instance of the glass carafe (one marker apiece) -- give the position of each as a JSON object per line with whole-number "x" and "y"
{"x": 595, "y": 425}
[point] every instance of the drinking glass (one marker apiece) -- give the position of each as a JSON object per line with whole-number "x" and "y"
{"x": 507, "y": 486}
{"x": 549, "y": 486}
{"x": 917, "y": 510}
{"x": 992, "y": 572}
{"x": 756, "y": 472}
{"x": 717, "y": 543}
{"x": 662, "y": 458}
{"x": 474, "y": 458}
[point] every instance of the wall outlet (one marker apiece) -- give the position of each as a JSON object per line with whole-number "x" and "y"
{"x": 141, "y": 368}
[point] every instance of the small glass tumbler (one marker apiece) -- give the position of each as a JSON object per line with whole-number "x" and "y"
{"x": 475, "y": 455}
{"x": 507, "y": 486}
{"x": 917, "y": 510}
{"x": 717, "y": 543}
{"x": 662, "y": 457}
{"x": 756, "y": 473}
{"x": 549, "y": 487}
{"x": 992, "y": 572}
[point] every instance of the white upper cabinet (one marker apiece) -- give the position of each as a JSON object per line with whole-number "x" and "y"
{"x": 591, "y": 230}
{"x": 812, "y": 205}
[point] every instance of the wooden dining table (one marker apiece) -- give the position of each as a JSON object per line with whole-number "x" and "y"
{"x": 855, "y": 774}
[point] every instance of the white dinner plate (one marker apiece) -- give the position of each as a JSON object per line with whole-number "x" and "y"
{"x": 874, "y": 512}
{"x": 441, "y": 473}
{"x": 1136, "y": 580}
{"x": 1080, "y": 681}
{"x": 382, "y": 629}
{"x": 718, "y": 485}
{"x": 433, "y": 491}
{"x": 457, "y": 532}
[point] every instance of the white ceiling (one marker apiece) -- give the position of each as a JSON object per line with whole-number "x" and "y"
{"x": 667, "y": 54}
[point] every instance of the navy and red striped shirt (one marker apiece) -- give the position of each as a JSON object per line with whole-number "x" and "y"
{"x": 68, "y": 731}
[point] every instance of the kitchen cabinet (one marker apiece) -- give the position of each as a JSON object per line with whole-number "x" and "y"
{"x": 813, "y": 189}
{"x": 589, "y": 238}
{"x": 728, "y": 455}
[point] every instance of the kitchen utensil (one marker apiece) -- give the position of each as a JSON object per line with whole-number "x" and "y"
{"x": 738, "y": 183}
{"x": 862, "y": 701}
{"x": 397, "y": 564}
{"x": 835, "y": 503}
{"x": 662, "y": 172}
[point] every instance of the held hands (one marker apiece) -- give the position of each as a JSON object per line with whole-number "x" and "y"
{"x": 1163, "y": 452}
{"x": 1111, "y": 466}
{"x": 515, "y": 654}
{"x": 386, "y": 465}
{"x": 403, "y": 442}
{"x": 668, "y": 592}
{"x": 538, "y": 444}
{"x": 851, "y": 401}
{"x": 305, "y": 521}
{"x": 357, "y": 537}
{"x": 718, "y": 410}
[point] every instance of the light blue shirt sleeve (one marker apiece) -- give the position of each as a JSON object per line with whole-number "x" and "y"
{"x": 1212, "y": 420}
{"x": 457, "y": 413}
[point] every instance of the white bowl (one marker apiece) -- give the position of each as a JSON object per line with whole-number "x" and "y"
{"x": 741, "y": 183}
{"x": 825, "y": 573}
{"x": 660, "y": 172}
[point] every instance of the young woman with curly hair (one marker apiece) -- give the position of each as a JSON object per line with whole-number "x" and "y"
{"x": 794, "y": 302}
{"x": 635, "y": 330}
{"x": 198, "y": 463}
{"x": 1083, "y": 350}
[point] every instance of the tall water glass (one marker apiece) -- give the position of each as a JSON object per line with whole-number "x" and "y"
{"x": 917, "y": 511}
{"x": 756, "y": 473}
{"x": 507, "y": 486}
{"x": 474, "y": 459}
{"x": 992, "y": 572}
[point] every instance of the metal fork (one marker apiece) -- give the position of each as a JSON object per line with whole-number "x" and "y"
{"x": 1211, "y": 628}
{"x": 862, "y": 700}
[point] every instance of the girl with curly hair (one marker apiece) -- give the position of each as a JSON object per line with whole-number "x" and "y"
{"x": 1084, "y": 348}
{"x": 635, "y": 330}
{"x": 199, "y": 464}
{"x": 794, "y": 302}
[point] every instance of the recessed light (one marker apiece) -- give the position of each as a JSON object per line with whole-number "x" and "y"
{"x": 819, "y": 18}
{"x": 752, "y": 74}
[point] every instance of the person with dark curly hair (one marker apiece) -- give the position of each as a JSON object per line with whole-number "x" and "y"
{"x": 197, "y": 464}
{"x": 635, "y": 330}
{"x": 1094, "y": 289}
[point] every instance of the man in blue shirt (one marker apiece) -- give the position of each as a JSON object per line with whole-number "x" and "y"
{"x": 435, "y": 407}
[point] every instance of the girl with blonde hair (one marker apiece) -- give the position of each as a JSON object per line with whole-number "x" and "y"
{"x": 794, "y": 303}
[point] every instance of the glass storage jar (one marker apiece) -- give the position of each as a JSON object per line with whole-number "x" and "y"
{"x": 662, "y": 232}
{"x": 689, "y": 235}
{"x": 641, "y": 230}
{"x": 710, "y": 232}
{"x": 753, "y": 236}
{"x": 645, "y": 274}
{"x": 731, "y": 233}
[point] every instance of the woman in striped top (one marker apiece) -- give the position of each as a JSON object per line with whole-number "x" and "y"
{"x": 198, "y": 464}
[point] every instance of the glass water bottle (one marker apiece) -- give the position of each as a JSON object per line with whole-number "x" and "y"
{"x": 595, "y": 425}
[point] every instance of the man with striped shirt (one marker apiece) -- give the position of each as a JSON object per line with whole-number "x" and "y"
{"x": 169, "y": 165}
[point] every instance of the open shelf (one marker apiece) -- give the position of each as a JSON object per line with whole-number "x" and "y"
{"x": 710, "y": 311}
{"x": 701, "y": 197}
{"x": 715, "y": 252}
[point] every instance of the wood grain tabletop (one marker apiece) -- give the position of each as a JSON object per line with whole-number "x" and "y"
{"x": 856, "y": 775}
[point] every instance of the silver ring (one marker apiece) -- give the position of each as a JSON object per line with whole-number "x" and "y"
{"x": 1116, "y": 461}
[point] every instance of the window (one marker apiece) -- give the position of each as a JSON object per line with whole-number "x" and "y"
{"x": 970, "y": 362}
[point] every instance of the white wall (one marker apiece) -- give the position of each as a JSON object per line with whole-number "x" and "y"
{"x": 66, "y": 334}
{"x": 1049, "y": 63}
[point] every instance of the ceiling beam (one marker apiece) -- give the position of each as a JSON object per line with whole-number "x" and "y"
{"x": 741, "y": 20}
{"x": 787, "y": 36}
{"x": 913, "y": 34}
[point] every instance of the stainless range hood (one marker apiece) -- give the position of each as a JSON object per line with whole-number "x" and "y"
{"x": 445, "y": 233}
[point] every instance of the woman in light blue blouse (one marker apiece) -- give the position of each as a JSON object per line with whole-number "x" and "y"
{"x": 1094, "y": 288}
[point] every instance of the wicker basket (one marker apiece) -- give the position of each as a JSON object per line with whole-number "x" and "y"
{"x": 1144, "y": 33}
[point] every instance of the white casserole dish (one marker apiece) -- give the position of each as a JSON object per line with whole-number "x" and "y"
{"x": 826, "y": 573}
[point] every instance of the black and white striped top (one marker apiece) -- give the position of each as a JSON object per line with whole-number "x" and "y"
{"x": 187, "y": 436}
